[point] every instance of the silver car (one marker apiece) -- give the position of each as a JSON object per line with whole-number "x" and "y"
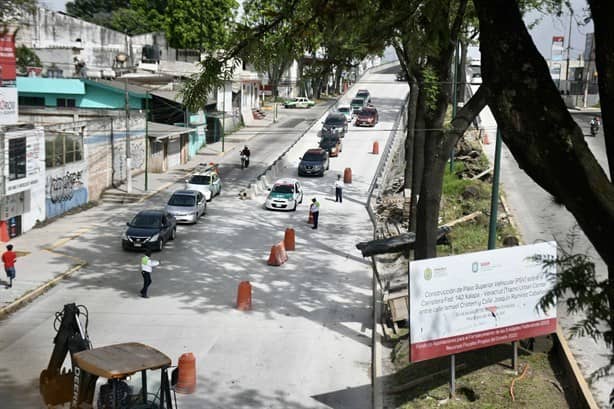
{"x": 208, "y": 183}
{"x": 187, "y": 206}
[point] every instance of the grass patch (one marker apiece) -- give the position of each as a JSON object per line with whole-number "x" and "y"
{"x": 483, "y": 379}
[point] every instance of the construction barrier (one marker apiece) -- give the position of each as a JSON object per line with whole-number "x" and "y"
{"x": 278, "y": 255}
{"x": 347, "y": 175}
{"x": 290, "y": 239}
{"x": 376, "y": 148}
{"x": 186, "y": 379}
{"x": 244, "y": 296}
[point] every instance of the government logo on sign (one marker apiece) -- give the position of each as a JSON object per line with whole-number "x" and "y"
{"x": 475, "y": 267}
{"x": 428, "y": 274}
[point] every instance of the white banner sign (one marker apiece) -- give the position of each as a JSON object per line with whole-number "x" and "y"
{"x": 475, "y": 300}
{"x": 8, "y": 106}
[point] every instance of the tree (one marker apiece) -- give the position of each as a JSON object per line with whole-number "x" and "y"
{"x": 12, "y": 11}
{"x": 199, "y": 24}
{"x": 95, "y": 11}
{"x": 26, "y": 58}
{"x": 143, "y": 16}
{"x": 540, "y": 132}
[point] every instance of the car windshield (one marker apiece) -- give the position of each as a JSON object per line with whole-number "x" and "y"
{"x": 357, "y": 101}
{"x": 334, "y": 121}
{"x": 182, "y": 200}
{"x": 313, "y": 157}
{"x": 283, "y": 189}
{"x": 344, "y": 110}
{"x": 366, "y": 112}
{"x": 362, "y": 94}
{"x": 146, "y": 220}
{"x": 200, "y": 180}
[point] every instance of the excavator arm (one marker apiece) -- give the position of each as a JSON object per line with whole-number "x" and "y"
{"x": 56, "y": 383}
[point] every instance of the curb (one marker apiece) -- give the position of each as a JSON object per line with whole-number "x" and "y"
{"x": 32, "y": 294}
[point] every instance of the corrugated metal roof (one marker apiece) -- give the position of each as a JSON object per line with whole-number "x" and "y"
{"x": 161, "y": 131}
{"x": 119, "y": 86}
{"x": 40, "y": 85}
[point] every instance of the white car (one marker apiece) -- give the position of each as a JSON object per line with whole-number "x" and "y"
{"x": 285, "y": 194}
{"x": 345, "y": 110}
{"x": 299, "y": 102}
{"x": 208, "y": 183}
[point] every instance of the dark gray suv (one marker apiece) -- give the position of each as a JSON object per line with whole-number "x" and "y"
{"x": 314, "y": 163}
{"x": 335, "y": 123}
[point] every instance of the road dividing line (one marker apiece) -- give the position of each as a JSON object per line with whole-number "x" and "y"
{"x": 61, "y": 242}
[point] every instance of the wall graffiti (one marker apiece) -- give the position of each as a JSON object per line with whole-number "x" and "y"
{"x": 62, "y": 188}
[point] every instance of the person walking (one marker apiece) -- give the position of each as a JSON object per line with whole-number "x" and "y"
{"x": 147, "y": 265}
{"x": 339, "y": 189}
{"x": 245, "y": 154}
{"x": 8, "y": 258}
{"x": 315, "y": 211}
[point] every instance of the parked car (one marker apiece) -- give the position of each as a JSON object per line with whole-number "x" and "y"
{"x": 285, "y": 194}
{"x": 335, "y": 121}
{"x": 299, "y": 102}
{"x": 208, "y": 183}
{"x": 357, "y": 104}
{"x": 367, "y": 116}
{"x": 149, "y": 229}
{"x": 314, "y": 162}
{"x": 187, "y": 206}
{"x": 364, "y": 94}
{"x": 331, "y": 144}
{"x": 347, "y": 111}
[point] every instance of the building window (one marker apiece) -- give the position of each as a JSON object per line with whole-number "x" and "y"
{"x": 65, "y": 103}
{"x": 62, "y": 149}
{"x": 17, "y": 158}
{"x": 32, "y": 101}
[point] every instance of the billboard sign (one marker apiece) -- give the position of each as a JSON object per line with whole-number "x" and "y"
{"x": 557, "y": 48}
{"x": 8, "y": 106}
{"x": 8, "y": 70}
{"x": 471, "y": 301}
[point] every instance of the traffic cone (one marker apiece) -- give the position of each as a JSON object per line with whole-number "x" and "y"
{"x": 485, "y": 140}
{"x": 244, "y": 296}
{"x": 347, "y": 175}
{"x": 186, "y": 379}
{"x": 376, "y": 148}
{"x": 289, "y": 239}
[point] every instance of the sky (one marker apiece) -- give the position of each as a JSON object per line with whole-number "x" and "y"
{"x": 542, "y": 33}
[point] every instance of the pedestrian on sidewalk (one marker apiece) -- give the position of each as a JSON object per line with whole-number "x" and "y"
{"x": 339, "y": 189}
{"x": 315, "y": 211}
{"x": 147, "y": 265}
{"x": 8, "y": 258}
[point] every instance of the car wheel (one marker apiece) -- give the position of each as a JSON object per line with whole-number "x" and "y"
{"x": 174, "y": 233}
{"x": 301, "y": 201}
{"x": 160, "y": 245}
{"x": 295, "y": 204}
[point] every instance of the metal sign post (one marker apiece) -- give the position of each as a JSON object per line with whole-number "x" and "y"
{"x": 452, "y": 376}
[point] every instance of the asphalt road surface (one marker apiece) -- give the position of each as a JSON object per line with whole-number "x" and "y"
{"x": 305, "y": 344}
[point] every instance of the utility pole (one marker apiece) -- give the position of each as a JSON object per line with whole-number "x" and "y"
{"x": 128, "y": 161}
{"x": 568, "y": 87}
{"x": 146, "y": 137}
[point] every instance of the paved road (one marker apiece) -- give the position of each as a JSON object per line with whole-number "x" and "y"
{"x": 539, "y": 218}
{"x": 306, "y": 344}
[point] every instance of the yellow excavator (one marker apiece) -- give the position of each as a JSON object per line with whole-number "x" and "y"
{"x": 137, "y": 374}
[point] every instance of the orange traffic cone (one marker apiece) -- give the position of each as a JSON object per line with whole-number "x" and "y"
{"x": 278, "y": 255}
{"x": 244, "y": 296}
{"x": 289, "y": 239}
{"x": 347, "y": 175}
{"x": 486, "y": 141}
{"x": 376, "y": 148}
{"x": 310, "y": 219}
{"x": 186, "y": 380}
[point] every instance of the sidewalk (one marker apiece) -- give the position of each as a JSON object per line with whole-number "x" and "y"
{"x": 41, "y": 263}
